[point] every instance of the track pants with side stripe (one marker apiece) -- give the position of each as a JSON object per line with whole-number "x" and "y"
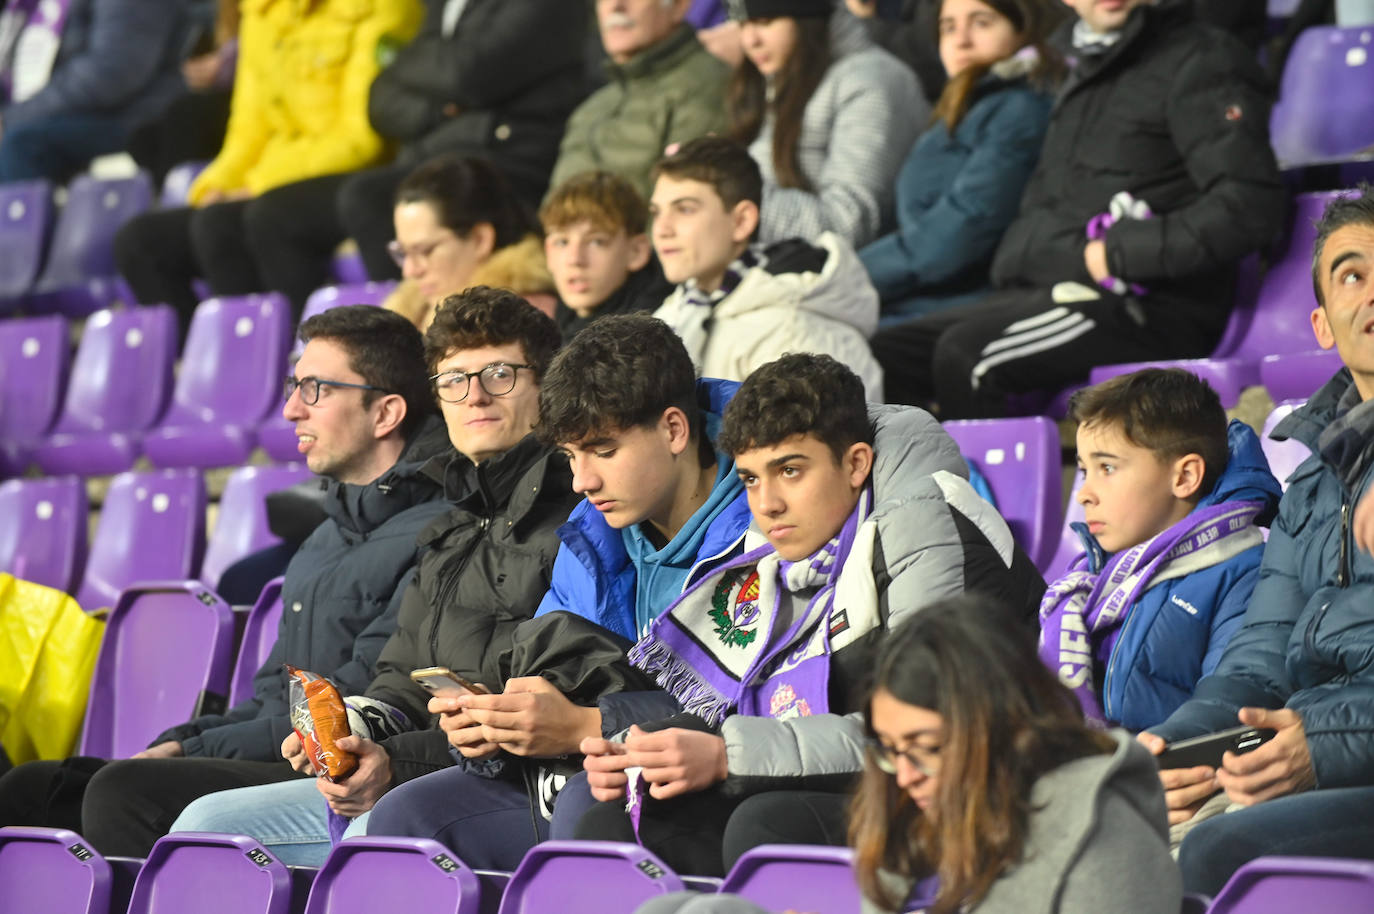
{"x": 967, "y": 360}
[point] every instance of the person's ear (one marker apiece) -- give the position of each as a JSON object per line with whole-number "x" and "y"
{"x": 640, "y": 249}
{"x": 390, "y": 413}
{"x": 483, "y": 234}
{"x": 1321, "y": 328}
{"x": 745, "y": 221}
{"x": 858, "y": 463}
{"x": 677, "y": 429}
{"x": 1187, "y": 476}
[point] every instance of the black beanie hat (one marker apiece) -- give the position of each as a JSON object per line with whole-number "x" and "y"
{"x": 769, "y": 9}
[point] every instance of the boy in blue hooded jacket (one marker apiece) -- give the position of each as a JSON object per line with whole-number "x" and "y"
{"x": 1172, "y": 500}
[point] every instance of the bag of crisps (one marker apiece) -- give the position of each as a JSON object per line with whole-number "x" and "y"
{"x": 320, "y": 719}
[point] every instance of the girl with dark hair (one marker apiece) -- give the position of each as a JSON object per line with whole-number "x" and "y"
{"x": 962, "y": 182}
{"x": 828, "y": 116}
{"x": 458, "y": 225}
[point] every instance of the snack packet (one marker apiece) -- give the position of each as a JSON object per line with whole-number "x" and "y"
{"x": 320, "y": 719}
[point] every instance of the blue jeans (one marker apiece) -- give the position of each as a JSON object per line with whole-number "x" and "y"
{"x": 57, "y": 147}
{"x": 288, "y": 818}
{"x": 1321, "y": 823}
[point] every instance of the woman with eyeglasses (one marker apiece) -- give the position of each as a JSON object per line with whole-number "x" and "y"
{"x": 458, "y": 225}
{"x": 981, "y": 772}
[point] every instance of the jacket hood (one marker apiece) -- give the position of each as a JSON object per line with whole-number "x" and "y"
{"x": 848, "y": 34}
{"x": 908, "y": 444}
{"x": 793, "y": 275}
{"x": 362, "y": 509}
{"x": 1307, "y": 422}
{"x": 1246, "y": 476}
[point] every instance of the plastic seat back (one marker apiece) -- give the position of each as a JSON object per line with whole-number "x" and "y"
{"x": 586, "y": 877}
{"x": 165, "y": 644}
{"x": 1297, "y": 375}
{"x": 368, "y": 874}
{"x": 1020, "y": 460}
{"x": 1069, "y": 546}
{"x": 326, "y": 297}
{"x": 228, "y": 874}
{"x": 43, "y": 536}
{"x": 259, "y": 637}
{"x": 152, "y": 528}
{"x": 799, "y": 877}
{"x": 241, "y": 528}
{"x": 1283, "y": 456}
{"x": 34, "y": 354}
{"x": 1279, "y": 885}
{"x": 53, "y": 871}
{"x": 122, "y": 373}
{"x": 176, "y": 186}
{"x": 26, "y": 216}
{"x": 1325, "y": 108}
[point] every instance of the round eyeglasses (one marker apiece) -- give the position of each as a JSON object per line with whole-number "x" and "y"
{"x": 497, "y": 379}
{"x": 421, "y": 252}
{"x": 310, "y": 388}
{"x": 925, "y": 760}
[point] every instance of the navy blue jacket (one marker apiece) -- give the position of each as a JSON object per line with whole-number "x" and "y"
{"x": 1176, "y": 632}
{"x": 957, "y": 194}
{"x": 1307, "y": 642}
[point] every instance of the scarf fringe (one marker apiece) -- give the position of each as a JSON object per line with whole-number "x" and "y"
{"x": 679, "y": 679}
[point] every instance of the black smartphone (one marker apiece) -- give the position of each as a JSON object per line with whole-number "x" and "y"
{"x": 1209, "y": 748}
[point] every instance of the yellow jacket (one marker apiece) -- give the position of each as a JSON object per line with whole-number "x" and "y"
{"x": 300, "y": 92}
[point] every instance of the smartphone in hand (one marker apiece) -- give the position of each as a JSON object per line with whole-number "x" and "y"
{"x": 1210, "y": 747}
{"x": 440, "y": 680}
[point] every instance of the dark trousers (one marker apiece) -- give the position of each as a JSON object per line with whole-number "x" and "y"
{"x": 125, "y": 806}
{"x": 1321, "y": 823}
{"x": 59, "y": 146}
{"x": 967, "y": 360}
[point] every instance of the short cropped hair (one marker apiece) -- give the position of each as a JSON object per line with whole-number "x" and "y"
{"x": 724, "y": 164}
{"x": 801, "y": 393}
{"x": 483, "y": 316}
{"x": 621, "y": 372}
{"x": 608, "y": 201}
{"x": 1346, "y": 209}
{"x": 1168, "y": 411}
{"x": 383, "y": 348}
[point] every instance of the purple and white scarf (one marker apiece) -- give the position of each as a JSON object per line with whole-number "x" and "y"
{"x": 1122, "y": 206}
{"x": 1082, "y": 613}
{"x": 30, "y": 34}
{"x": 720, "y": 648}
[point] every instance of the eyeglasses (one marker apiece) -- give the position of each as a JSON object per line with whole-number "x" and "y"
{"x": 497, "y": 379}
{"x": 421, "y": 252}
{"x": 310, "y": 388}
{"x": 924, "y": 759}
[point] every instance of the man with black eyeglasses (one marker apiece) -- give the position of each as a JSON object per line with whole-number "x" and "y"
{"x": 486, "y": 565}
{"x": 364, "y": 414}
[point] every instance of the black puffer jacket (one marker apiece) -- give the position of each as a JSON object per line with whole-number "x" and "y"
{"x": 1176, "y": 113}
{"x": 486, "y": 566}
{"x": 339, "y": 601}
{"x": 512, "y": 70}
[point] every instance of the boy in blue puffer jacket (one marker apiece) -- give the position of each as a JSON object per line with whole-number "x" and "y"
{"x": 1172, "y": 498}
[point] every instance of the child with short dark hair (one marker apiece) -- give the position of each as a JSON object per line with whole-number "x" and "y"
{"x": 597, "y": 247}
{"x": 738, "y": 305}
{"x": 1171, "y": 498}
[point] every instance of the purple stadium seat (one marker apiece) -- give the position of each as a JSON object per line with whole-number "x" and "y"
{"x": 586, "y": 877}
{"x": 165, "y": 644}
{"x": 1020, "y": 459}
{"x": 53, "y": 871}
{"x": 368, "y": 874}
{"x": 80, "y": 275}
{"x": 1284, "y": 456}
{"x": 259, "y": 636}
{"x": 1069, "y": 546}
{"x": 800, "y": 877}
{"x": 1194, "y": 903}
{"x": 1228, "y": 377}
{"x": 152, "y": 528}
{"x": 34, "y": 353}
{"x": 1326, "y": 96}
{"x": 119, "y": 385}
{"x": 227, "y": 874}
{"x": 1279, "y": 885}
{"x": 43, "y": 536}
{"x": 349, "y": 268}
{"x": 242, "y": 524}
{"x": 326, "y": 297}
{"x": 277, "y": 438}
{"x": 1297, "y": 375}
{"x": 25, "y": 222}
{"x": 230, "y": 380}
{"x": 176, "y": 187}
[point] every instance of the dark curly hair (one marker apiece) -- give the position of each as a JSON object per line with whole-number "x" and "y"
{"x": 483, "y": 316}
{"x": 802, "y": 393}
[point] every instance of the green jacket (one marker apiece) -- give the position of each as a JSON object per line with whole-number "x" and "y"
{"x": 671, "y": 93}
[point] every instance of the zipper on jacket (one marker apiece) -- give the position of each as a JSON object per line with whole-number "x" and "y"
{"x": 451, "y": 573}
{"x": 1343, "y": 571}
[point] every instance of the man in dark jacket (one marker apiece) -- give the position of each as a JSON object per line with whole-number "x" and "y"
{"x": 364, "y": 416}
{"x": 1156, "y": 177}
{"x": 487, "y": 563}
{"x": 1300, "y": 663}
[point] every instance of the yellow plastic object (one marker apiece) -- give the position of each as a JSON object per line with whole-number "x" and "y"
{"x": 48, "y": 648}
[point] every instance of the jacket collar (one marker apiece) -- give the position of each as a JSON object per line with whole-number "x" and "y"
{"x": 1144, "y": 23}
{"x": 1307, "y": 422}
{"x": 509, "y": 483}
{"x": 667, "y": 54}
{"x": 363, "y": 508}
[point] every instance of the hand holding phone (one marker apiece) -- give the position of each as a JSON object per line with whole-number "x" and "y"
{"x": 1209, "y": 748}
{"x": 440, "y": 680}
